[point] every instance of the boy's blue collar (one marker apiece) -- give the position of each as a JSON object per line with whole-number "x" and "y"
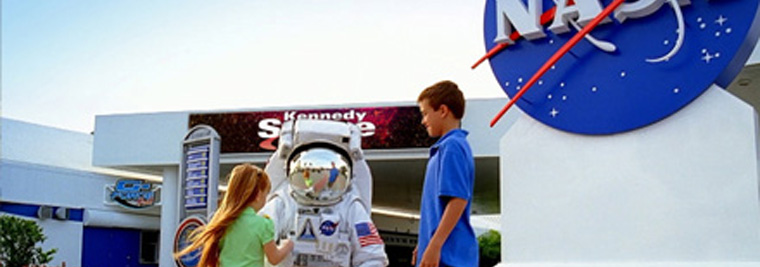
{"x": 457, "y": 131}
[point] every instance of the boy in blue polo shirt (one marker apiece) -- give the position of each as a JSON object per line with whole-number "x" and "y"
{"x": 446, "y": 237}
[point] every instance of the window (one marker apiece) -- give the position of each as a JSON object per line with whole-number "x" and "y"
{"x": 149, "y": 247}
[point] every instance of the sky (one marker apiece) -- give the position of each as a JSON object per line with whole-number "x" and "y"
{"x": 64, "y": 62}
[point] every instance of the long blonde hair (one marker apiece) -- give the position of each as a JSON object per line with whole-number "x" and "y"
{"x": 245, "y": 184}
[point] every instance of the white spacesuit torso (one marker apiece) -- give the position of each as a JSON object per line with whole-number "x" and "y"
{"x": 322, "y": 212}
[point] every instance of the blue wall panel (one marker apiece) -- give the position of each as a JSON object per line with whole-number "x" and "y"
{"x": 111, "y": 247}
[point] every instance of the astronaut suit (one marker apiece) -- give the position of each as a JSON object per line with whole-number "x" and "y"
{"x": 321, "y": 197}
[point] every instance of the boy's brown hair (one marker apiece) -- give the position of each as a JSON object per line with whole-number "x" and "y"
{"x": 444, "y": 93}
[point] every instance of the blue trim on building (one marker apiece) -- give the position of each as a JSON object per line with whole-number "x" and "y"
{"x": 32, "y": 210}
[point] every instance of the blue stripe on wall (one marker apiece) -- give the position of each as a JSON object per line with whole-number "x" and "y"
{"x": 30, "y": 210}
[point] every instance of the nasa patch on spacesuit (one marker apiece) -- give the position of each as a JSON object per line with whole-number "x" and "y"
{"x": 319, "y": 240}
{"x": 333, "y": 239}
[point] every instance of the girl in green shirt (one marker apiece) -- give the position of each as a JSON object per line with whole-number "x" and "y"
{"x": 236, "y": 235}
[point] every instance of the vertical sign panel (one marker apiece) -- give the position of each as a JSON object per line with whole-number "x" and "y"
{"x": 196, "y": 177}
{"x": 198, "y": 186}
{"x": 199, "y": 170}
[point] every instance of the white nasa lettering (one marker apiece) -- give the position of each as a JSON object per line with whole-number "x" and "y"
{"x": 527, "y": 21}
{"x": 642, "y": 8}
{"x": 269, "y": 128}
{"x": 586, "y": 9}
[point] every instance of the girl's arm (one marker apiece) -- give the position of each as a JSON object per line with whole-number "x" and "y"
{"x": 277, "y": 254}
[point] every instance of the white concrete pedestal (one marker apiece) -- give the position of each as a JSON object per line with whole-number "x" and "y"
{"x": 680, "y": 192}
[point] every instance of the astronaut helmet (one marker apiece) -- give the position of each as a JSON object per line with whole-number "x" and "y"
{"x": 318, "y": 174}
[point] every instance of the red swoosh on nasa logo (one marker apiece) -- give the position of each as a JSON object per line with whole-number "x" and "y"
{"x": 546, "y": 17}
{"x": 267, "y": 144}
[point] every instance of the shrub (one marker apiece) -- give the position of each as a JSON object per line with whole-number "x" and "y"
{"x": 490, "y": 248}
{"x": 18, "y": 238}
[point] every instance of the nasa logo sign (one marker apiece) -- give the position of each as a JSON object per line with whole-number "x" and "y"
{"x": 328, "y": 228}
{"x": 643, "y": 62}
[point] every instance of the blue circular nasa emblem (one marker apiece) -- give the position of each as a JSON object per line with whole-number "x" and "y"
{"x": 327, "y": 228}
{"x": 182, "y": 240}
{"x": 642, "y": 63}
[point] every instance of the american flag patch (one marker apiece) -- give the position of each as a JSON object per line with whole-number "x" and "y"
{"x": 367, "y": 234}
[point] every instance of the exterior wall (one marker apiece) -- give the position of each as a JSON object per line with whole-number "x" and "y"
{"x": 43, "y": 166}
{"x": 34, "y": 185}
{"x": 139, "y": 139}
{"x": 31, "y": 143}
{"x": 44, "y": 185}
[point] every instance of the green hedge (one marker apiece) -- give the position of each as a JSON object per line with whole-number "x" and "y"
{"x": 490, "y": 248}
{"x": 18, "y": 239}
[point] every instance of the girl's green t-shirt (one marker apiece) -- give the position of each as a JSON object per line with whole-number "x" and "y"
{"x": 243, "y": 243}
